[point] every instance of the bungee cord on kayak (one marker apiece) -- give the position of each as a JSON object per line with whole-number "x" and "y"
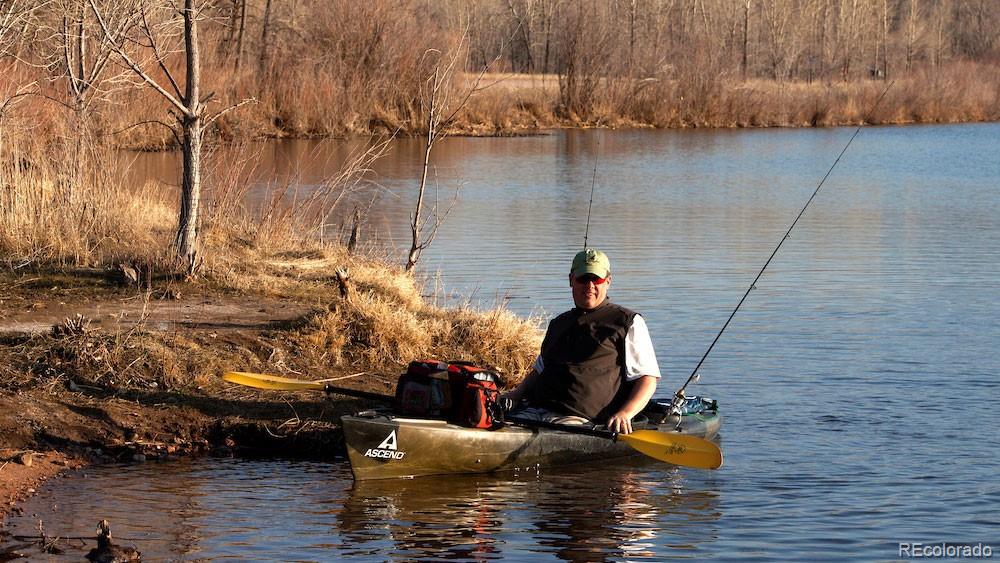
{"x": 678, "y": 399}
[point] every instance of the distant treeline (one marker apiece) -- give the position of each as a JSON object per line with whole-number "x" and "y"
{"x": 333, "y": 67}
{"x": 81, "y": 78}
{"x": 767, "y": 39}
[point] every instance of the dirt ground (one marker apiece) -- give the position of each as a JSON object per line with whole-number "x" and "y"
{"x": 34, "y": 303}
{"x": 66, "y": 401}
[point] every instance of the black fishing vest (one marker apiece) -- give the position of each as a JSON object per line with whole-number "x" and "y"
{"x": 583, "y": 356}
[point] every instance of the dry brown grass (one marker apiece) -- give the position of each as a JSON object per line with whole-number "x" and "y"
{"x": 52, "y": 212}
{"x": 375, "y": 331}
{"x": 384, "y": 324}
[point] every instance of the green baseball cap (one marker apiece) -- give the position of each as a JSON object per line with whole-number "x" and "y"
{"x": 591, "y": 261}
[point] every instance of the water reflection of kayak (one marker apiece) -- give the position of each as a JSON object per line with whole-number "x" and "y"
{"x": 383, "y": 446}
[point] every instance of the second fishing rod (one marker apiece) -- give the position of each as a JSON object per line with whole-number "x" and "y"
{"x": 678, "y": 399}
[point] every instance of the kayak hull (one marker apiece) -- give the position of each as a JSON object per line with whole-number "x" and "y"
{"x": 383, "y": 446}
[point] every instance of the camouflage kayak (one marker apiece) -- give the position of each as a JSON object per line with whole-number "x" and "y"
{"x": 383, "y": 446}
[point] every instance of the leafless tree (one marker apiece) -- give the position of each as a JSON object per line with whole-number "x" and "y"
{"x": 914, "y": 28}
{"x": 265, "y": 36}
{"x": 435, "y": 101}
{"x": 80, "y": 59}
{"x": 440, "y": 103}
{"x": 14, "y": 16}
{"x": 150, "y": 33}
{"x": 745, "y": 60}
{"x": 521, "y": 13}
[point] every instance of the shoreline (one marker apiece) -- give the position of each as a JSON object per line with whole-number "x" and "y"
{"x": 77, "y": 433}
{"x": 19, "y": 480}
{"x": 486, "y": 132}
{"x": 129, "y": 375}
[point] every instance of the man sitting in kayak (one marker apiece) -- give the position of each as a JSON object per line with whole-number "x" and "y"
{"x": 597, "y": 364}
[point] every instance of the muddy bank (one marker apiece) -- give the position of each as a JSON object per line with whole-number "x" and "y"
{"x": 23, "y": 471}
{"x": 34, "y": 303}
{"x": 144, "y": 386}
{"x": 46, "y": 431}
{"x": 96, "y": 371}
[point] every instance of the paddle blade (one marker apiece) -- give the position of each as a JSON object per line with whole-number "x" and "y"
{"x": 678, "y": 449}
{"x": 264, "y": 381}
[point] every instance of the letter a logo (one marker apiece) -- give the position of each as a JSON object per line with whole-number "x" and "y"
{"x": 389, "y": 443}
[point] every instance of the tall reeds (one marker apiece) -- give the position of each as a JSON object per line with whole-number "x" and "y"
{"x": 63, "y": 204}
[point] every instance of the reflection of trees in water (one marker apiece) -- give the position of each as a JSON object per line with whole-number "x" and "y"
{"x": 578, "y": 514}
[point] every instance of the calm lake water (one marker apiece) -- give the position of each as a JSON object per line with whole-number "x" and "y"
{"x": 857, "y": 382}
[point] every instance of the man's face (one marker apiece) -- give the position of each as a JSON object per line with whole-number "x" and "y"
{"x": 587, "y": 293}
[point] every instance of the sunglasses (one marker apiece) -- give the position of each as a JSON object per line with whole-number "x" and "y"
{"x": 589, "y": 278}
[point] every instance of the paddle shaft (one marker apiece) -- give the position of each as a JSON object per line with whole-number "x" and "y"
{"x": 330, "y": 389}
{"x": 571, "y": 428}
{"x": 281, "y": 383}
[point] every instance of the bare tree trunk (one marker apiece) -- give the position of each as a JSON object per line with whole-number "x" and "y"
{"x": 885, "y": 39}
{"x": 352, "y": 243}
{"x": 746, "y": 37}
{"x": 415, "y": 224}
{"x": 239, "y": 36}
{"x": 78, "y": 88}
{"x": 187, "y": 232}
{"x": 548, "y": 35}
{"x": 850, "y": 41}
{"x": 631, "y": 36}
{"x": 265, "y": 49}
{"x": 230, "y": 37}
{"x": 81, "y": 43}
{"x": 822, "y": 40}
{"x": 910, "y": 28}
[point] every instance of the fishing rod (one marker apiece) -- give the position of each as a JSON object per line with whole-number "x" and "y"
{"x": 679, "y": 395}
{"x": 593, "y": 182}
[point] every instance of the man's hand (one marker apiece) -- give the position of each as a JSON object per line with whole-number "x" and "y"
{"x": 642, "y": 391}
{"x": 620, "y": 422}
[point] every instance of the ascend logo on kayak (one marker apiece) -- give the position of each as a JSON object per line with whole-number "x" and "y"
{"x": 387, "y": 449}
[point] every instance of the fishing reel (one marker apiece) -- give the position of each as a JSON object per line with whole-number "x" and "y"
{"x": 679, "y": 401}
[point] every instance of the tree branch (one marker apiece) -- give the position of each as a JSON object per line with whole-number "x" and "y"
{"x": 74, "y": 87}
{"x": 229, "y": 109}
{"x": 147, "y": 122}
{"x": 156, "y": 53}
{"x": 135, "y": 66}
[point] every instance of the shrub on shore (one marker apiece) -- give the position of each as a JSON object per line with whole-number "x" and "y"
{"x": 62, "y": 203}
